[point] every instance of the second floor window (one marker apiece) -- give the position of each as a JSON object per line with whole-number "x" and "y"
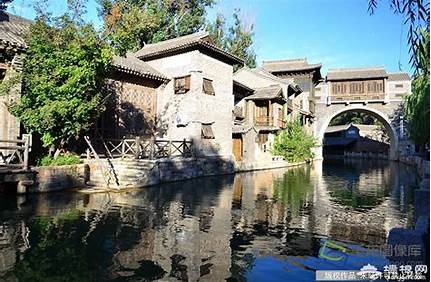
{"x": 182, "y": 84}
{"x": 207, "y": 131}
{"x": 207, "y": 87}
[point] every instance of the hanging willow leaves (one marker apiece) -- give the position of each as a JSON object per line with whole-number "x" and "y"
{"x": 417, "y": 17}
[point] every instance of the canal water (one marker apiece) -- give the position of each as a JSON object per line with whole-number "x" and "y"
{"x": 267, "y": 225}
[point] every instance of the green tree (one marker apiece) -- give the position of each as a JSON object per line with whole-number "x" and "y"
{"x": 353, "y": 117}
{"x": 64, "y": 69}
{"x": 418, "y": 103}
{"x": 417, "y": 17}
{"x": 129, "y": 25}
{"x": 237, "y": 41}
{"x": 294, "y": 143}
{"x": 3, "y": 4}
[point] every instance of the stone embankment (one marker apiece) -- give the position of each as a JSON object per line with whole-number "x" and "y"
{"x": 418, "y": 237}
{"x": 129, "y": 173}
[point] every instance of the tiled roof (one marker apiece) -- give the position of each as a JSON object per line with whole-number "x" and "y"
{"x": 265, "y": 93}
{"x": 397, "y": 76}
{"x": 133, "y": 65}
{"x": 241, "y": 85}
{"x": 366, "y": 127}
{"x": 337, "y": 128}
{"x": 267, "y": 74}
{"x": 195, "y": 40}
{"x": 289, "y": 65}
{"x": 356, "y": 73}
{"x": 12, "y": 29}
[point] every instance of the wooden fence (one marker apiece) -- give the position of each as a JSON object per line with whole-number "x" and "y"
{"x": 14, "y": 153}
{"x": 143, "y": 148}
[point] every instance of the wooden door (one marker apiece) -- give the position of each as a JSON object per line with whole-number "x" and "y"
{"x": 237, "y": 147}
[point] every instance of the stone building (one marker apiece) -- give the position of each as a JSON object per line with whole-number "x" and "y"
{"x": 307, "y": 76}
{"x": 263, "y": 105}
{"x": 12, "y": 48}
{"x": 178, "y": 89}
{"x": 369, "y": 85}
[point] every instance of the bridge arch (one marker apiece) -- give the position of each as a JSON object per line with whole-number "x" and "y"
{"x": 324, "y": 121}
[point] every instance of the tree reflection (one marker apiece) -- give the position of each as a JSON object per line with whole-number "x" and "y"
{"x": 292, "y": 189}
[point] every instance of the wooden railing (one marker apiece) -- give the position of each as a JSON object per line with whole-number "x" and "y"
{"x": 269, "y": 121}
{"x": 358, "y": 97}
{"x": 264, "y": 121}
{"x": 143, "y": 148}
{"x": 14, "y": 153}
{"x": 281, "y": 123}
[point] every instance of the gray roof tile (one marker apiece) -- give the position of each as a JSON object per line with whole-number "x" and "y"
{"x": 265, "y": 93}
{"x": 397, "y": 76}
{"x": 12, "y": 29}
{"x": 289, "y": 65}
{"x": 356, "y": 73}
{"x": 198, "y": 39}
{"x": 133, "y": 65}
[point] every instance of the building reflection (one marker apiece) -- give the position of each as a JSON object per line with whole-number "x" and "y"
{"x": 206, "y": 229}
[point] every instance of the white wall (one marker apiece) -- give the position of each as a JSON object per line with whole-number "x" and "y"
{"x": 195, "y": 107}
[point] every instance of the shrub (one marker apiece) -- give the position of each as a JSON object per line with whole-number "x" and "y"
{"x": 294, "y": 143}
{"x": 68, "y": 159}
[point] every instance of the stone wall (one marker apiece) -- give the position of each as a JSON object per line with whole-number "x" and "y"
{"x": 55, "y": 178}
{"x": 140, "y": 173}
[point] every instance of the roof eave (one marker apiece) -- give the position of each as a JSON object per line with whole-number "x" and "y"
{"x": 233, "y": 60}
{"x": 141, "y": 74}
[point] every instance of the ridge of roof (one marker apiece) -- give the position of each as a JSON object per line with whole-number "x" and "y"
{"x": 289, "y": 65}
{"x": 198, "y": 39}
{"x": 356, "y": 73}
{"x": 356, "y": 69}
{"x": 294, "y": 60}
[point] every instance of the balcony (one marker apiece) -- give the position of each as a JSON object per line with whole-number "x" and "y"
{"x": 264, "y": 121}
{"x": 269, "y": 121}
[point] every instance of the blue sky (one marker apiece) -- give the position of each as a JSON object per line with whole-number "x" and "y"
{"x": 336, "y": 33}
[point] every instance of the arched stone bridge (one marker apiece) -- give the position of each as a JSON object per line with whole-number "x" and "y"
{"x": 389, "y": 113}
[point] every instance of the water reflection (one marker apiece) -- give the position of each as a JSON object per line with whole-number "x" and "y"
{"x": 232, "y": 227}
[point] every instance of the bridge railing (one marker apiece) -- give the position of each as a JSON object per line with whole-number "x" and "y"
{"x": 14, "y": 153}
{"x": 357, "y": 97}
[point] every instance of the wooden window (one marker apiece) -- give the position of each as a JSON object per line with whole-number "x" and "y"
{"x": 207, "y": 131}
{"x": 182, "y": 84}
{"x": 207, "y": 87}
{"x": 399, "y": 85}
{"x": 262, "y": 138}
{"x": 261, "y": 109}
{"x": 317, "y": 89}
